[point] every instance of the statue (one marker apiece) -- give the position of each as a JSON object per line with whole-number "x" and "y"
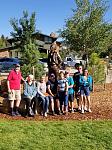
{"x": 54, "y": 59}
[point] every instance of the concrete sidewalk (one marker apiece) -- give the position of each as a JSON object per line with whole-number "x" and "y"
{"x": 109, "y": 76}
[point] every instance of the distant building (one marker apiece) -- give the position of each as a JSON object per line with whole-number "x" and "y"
{"x": 43, "y": 42}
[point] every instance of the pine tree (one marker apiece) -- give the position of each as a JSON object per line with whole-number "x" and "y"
{"x": 26, "y": 43}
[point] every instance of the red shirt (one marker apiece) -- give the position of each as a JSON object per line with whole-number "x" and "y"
{"x": 14, "y": 79}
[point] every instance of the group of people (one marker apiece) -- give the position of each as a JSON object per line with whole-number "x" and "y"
{"x": 54, "y": 95}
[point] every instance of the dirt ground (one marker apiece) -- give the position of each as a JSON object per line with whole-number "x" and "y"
{"x": 101, "y": 104}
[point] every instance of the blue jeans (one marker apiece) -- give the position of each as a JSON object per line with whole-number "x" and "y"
{"x": 63, "y": 98}
{"x": 45, "y": 103}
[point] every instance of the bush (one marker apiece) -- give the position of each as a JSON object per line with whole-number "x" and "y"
{"x": 97, "y": 68}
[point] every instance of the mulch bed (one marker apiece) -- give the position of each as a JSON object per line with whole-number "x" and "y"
{"x": 101, "y": 102}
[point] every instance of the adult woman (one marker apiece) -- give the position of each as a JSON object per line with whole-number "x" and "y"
{"x": 85, "y": 86}
{"x": 42, "y": 95}
{"x": 30, "y": 92}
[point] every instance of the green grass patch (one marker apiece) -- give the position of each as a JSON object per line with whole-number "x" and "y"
{"x": 55, "y": 135}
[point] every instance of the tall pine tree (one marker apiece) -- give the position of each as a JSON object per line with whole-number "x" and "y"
{"x": 26, "y": 43}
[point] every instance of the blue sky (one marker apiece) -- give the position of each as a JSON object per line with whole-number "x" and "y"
{"x": 50, "y": 14}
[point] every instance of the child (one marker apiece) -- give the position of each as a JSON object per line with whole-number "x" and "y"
{"x": 70, "y": 90}
{"x": 62, "y": 89}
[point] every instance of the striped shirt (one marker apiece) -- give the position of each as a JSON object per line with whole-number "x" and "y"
{"x": 62, "y": 84}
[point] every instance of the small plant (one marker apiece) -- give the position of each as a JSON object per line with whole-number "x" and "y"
{"x": 96, "y": 68}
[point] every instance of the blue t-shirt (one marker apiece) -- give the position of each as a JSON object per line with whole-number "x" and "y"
{"x": 53, "y": 86}
{"x": 70, "y": 82}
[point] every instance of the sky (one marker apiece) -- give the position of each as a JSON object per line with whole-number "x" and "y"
{"x": 50, "y": 14}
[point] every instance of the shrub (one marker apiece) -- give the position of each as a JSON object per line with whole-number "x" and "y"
{"x": 97, "y": 68}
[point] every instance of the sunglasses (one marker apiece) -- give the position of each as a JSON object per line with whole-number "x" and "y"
{"x": 52, "y": 76}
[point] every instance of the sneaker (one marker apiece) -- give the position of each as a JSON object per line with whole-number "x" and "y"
{"x": 85, "y": 108}
{"x": 13, "y": 113}
{"x": 53, "y": 113}
{"x": 35, "y": 112}
{"x": 82, "y": 111}
{"x": 17, "y": 113}
{"x": 79, "y": 109}
{"x": 42, "y": 113}
{"x": 59, "y": 113}
{"x": 65, "y": 113}
{"x": 45, "y": 114}
{"x": 89, "y": 110}
{"x": 72, "y": 111}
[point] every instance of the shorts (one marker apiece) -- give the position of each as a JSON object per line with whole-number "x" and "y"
{"x": 71, "y": 97}
{"x": 14, "y": 95}
{"x": 85, "y": 91}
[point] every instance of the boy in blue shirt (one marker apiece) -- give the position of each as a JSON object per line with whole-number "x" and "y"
{"x": 70, "y": 90}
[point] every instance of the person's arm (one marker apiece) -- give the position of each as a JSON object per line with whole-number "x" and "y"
{"x": 22, "y": 79}
{"x": 8, "y": 81}
{"x": 8, "y": 86}
{"x": 49, "y": 90}
{"x": 71, "y": 82}
{"x": 58, "y": 88}
{"x": 90, "y": 82}
{"x": 26, "y": 94}
{"x": 34, "y": 90}
{"x": 66, "y": 87}
{"x": 81, "y": 81}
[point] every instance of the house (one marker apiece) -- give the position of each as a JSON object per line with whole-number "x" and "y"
{"x": 43, "y": 41}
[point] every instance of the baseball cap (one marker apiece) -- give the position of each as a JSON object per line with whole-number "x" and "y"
{"x": 17, "y": 65}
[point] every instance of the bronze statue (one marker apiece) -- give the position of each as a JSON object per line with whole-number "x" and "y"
{"x": 54, "y": 59}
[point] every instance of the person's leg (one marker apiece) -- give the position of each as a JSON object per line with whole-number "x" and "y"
{"x": 52, "y": 104}
{"x": 27, "y": 101}
{"x": 69, "y": 103}
{"x": 82, "y": 104}
{"x": 66, "y": 103}
{"x": 78, "y": 98}
{"x": 61, "y": 100}
{"x": 42, "y": 99}
{"x": 34, "y": 103}
{"x": 18, "y": 100}
{"x": 82, "y": 100}
{"x": 29, "y": 110}
{"x": 87, "y": 93}
{"x": 85, "y": 103}
{"x": 11, "y": 97}
{"x": 71, "y": 98}
{"x": 12, "y": 108}
{"x": 88, "y": 103}
{"x": 46, "y": 106}
{"x": 57, "y": 109}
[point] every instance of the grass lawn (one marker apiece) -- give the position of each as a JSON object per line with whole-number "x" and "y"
{"x": 55, "y": 135}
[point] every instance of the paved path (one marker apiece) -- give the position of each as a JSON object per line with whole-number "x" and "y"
{"x": 109, "y": 77}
